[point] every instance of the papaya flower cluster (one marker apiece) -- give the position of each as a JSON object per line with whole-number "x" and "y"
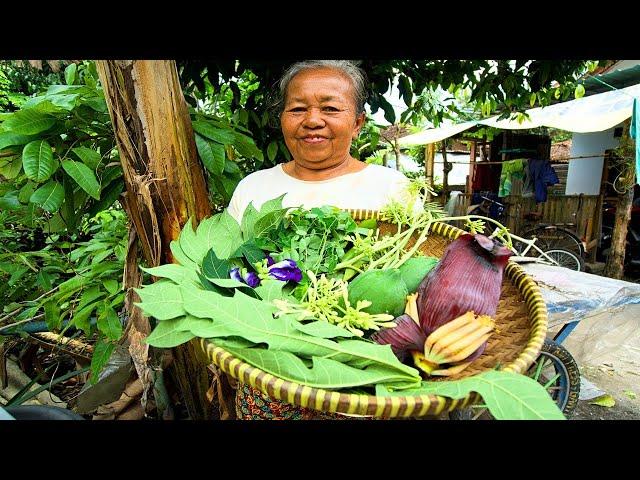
{"x": 285, "y": 271}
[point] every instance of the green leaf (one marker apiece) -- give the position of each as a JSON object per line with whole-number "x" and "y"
{"x": 271, "y": 289}
{"x": 10, "y": 167}
{"x": 169, "y": 334}
{"x": 107, "y": 197}
{"x": 180, "y": 256}
{"x": 84, "y": 176}
{"x": 49, "y": 196}
{"x": 52, "y": 315}
{"x": 162, "y": 300}
{"x": 603, "y": 401}
{"x": 323, "y": 329}
{"x": 109, "y": 323}
{"x": 212, "y": 155}
{"x": 325, "y": 373}
{"x": 213, "y": 267}
{"x": 37, "y": 159}
{"x": 192, "y": 246}
{"x": 9, "y": 139}
{"x": 272, "y": 150}
{"x": 228, "y": 283}
{"x": 112, "y": 286}
{"x": 44, "y": 280}
{"x": 222, "y": 235}
{"x": 249, "y": 218}
{"x": 252, "y": 320}
{"x": 508, "y": 395}
{"x": 250, "y": 251}
{"x": 205, "y": 129}
{"x": 532, "y": 99}
{"x": 81, "y": 317}
{"x": 579, "y": 92}
{"x": 176, "y": 273}
{"x": 90, "y": 295}
{"x": 102, "y": 351}
{"x": 89, "y": 157}
{"x": 29, "y": 122}
{"x": 70, "y": 74}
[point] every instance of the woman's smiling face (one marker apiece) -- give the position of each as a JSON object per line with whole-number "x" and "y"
{"x": 319, "y": 119}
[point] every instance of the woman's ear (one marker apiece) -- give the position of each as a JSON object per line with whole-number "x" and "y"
{"x": 360, "y": 119}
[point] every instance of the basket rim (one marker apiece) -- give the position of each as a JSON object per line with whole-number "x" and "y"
{"x": 396, "y": 405}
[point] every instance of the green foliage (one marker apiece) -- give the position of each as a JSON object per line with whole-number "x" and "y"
{"x": 18, "y": 83}
{"x": 508, "y": 395}
{"x": 313, "y": 238}
{"x": 67, "y": 126}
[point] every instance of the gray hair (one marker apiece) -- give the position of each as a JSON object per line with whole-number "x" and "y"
{"x": 349, "y": 68}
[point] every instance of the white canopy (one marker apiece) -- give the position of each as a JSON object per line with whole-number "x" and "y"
{"x": 587, "y": 114}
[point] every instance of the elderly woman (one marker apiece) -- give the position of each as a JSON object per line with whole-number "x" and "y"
{"x": 321, "y": 108}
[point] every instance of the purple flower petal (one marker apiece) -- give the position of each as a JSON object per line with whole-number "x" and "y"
{"x": 252, "y": 279}
{"x": 288, "y": 263}
{"x": 286, "y": 274}
{"x": 235, "y": 274}
{"x": 270, "y": 261}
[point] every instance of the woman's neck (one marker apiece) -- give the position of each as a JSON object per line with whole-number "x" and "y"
{"x": 349, "y": 165}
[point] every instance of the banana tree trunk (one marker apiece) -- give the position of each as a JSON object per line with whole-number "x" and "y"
{"x": 165, "y": 186}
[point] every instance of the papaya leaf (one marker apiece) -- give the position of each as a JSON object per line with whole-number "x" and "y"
{"x": 223, "y": 235}
{"x": 250, "y": 251}
{"x": 249, "y": 218}
{"x": 269, "y": 290}
{"x": 180, "y": 256}
{"x": 508, "y": 395}
{"x": 213, "y": 267}
{"x": 252, "y": 319}
{"x": 168, "y": 334}
{"x": 191, "y": 245}
{"x": 323, "y": 329}
{"x": 325, "y": 373}
{"x": 177, "y": 273}
{"x": 161, "y": 300}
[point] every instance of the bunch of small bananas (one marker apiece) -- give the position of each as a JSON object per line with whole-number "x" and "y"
{"x": 447, "y": 347}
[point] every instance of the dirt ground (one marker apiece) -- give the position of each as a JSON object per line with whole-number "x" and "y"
{"x": 622, "y": 386}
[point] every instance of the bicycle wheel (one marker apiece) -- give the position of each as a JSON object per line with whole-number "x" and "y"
{"x": 566, "y": 259}
{"x": 551, "y": 237}
{"x": 558, "y": 372}
{"x": 555, "y": 369}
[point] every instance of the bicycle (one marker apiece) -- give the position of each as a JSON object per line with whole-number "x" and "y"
{"x": 555, "y": 245}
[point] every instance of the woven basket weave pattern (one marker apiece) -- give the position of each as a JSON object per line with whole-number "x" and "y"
{"x": 521, "y": 324}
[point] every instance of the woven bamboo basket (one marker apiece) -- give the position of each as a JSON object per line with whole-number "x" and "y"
{"x": 521, "y": 326}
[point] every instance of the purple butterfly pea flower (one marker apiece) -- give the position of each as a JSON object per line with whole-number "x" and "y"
{"x": 286, "y": 270}
{"x": 250, "y": 278}
{"x": 270, "y": 261}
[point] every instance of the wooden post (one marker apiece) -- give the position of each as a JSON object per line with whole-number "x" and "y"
{"x": 445, "y": 172}
{"x": 472, "y": 164}
{"x": 615, "y": 260}
{"x": 429, "y": 156}
{"x": 165, "y": 185}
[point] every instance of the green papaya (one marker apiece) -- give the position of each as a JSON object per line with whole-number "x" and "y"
{"x": 415, "y": 269}
{"x": 383, "y": 288}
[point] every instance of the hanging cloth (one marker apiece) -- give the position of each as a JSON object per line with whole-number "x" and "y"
{"x": 511, "y": 170}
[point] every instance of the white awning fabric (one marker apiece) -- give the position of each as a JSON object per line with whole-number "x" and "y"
{"x": 588, "y": 114}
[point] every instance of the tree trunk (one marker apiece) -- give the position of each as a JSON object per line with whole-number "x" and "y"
{"x": 165, "y": 186}
{"x": 445, "y": 173}
{"x": 396, "y": 149}
{"x": 615, "y": 260}
{"x": 429, "y": 157}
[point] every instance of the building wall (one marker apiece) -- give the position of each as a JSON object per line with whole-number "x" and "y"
{"x": 585, "y": 174}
